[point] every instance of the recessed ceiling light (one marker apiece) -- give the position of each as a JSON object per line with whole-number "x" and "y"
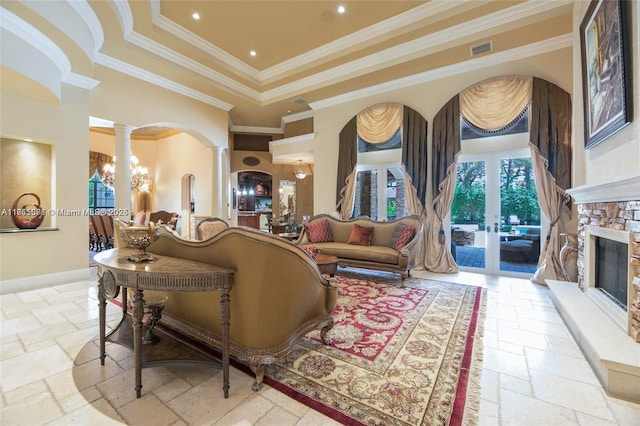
{"x": 196, "y": 16}
{"x": 341, "y": 9}
{"x": 253, "y": 53}
{"x": 28, "y": 140}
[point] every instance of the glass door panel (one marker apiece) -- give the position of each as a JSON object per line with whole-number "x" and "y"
{"x": 519, "y": 216}
{"x": 495, "y": 218}
{"x": 468, "y": 241}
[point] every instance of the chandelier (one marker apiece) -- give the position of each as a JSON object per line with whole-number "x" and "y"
{"x": 300, "y": 173}
{"x": 139, "y": 174}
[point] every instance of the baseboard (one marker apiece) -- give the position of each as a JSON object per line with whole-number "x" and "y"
{"x": 41, "y": 281}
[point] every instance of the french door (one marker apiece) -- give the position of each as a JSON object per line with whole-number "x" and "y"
{"x": 495, "y": 217}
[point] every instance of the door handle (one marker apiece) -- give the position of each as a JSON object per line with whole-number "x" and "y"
{"x": 496, "y": 228}
{"x": 488, "y": 229}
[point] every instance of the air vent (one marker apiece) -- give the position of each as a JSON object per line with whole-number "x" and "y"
{"x": 485, "y": 47}
{"x": 300, "y": 100}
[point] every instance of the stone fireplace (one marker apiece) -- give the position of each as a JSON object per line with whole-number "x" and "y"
{"x": 606, "y": 324}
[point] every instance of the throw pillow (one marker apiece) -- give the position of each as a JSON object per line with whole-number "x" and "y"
{"x": 311, "y": 251}
{"x": 402, "y": 234}
{"x": 319, "y": 231}
{"x": 361, "y": 235}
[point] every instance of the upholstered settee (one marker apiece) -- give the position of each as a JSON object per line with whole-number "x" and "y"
{"x": 278, "y": 295}
{"x": 349, "y": 241}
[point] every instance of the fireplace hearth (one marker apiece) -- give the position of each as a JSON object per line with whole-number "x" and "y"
{"x": 609, "y": 258}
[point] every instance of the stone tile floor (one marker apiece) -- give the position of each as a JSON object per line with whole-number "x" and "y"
{"x": 533, "y": 372}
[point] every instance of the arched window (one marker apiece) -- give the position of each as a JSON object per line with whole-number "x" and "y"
{"x": 100, "y": 195}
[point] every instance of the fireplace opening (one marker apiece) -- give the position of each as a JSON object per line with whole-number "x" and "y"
{"x": 611, "y": 270}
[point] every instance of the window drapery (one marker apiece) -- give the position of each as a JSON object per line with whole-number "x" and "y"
{"x": 414, "y": 158}
{"x": 378, "y": 124}
{"x": 550, "y": 141}
{"x": 97, "y": 160}
{"x": 347, "y": 161}
{"x": 494, "y": 103}
{"x": 550, "y": 138}
{"x": 446, "y": 148}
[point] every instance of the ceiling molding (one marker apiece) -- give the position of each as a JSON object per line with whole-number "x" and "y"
{"x": 362, "y": 36}
{"x": 259, "y": 130}
{"x": 298, "y": 116}
{"x": 436, "y": 42}
{"x": 292, "y": 140}
{"x": 159, "y": 81}
{"x": 486, "y": 61}
{"x": 88, "y": 16}
{"x": 30, "y": 35}
{"x": 80, "y": 81}
{"x": 198, "y": 42}
{"x": 124, "y": 15}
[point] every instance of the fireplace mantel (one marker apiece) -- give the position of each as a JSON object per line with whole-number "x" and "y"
{"x": 625, "y": 189}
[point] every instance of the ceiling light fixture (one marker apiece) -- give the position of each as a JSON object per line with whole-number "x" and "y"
{"x": 195, "y": 16}
{"x": 341, "y": 9}
{"x": 253, "y": 53}
{"x": 300, "y": 174}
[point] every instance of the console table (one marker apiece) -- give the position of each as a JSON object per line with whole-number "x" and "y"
{"x": 165, "y": 273}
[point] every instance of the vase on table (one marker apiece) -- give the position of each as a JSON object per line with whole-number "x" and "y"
{"x": 569, "y": 257}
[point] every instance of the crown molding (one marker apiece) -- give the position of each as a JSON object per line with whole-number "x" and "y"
{"x": 80, "y": 81}
{"x": 159, "y": 81}
{"x": 436, "y": 42}
{"x": 298, "y": 116}
{"x": 30, "y": 35}
{"x": 258, "y": 130}
{"x": 362, "y": 36}
{"x": 91, "y": 21}
{"x": 294, "y": 139}
{"x": 198, "y": 42}
{"x": 486, "y": 61}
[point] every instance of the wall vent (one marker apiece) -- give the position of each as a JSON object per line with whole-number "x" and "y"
{"x": 484, "y": 47}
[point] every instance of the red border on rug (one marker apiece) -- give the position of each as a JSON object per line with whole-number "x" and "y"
{"x": 457, "y": 413}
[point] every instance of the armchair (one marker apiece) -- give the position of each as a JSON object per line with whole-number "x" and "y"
{"x": 210, "y": 227}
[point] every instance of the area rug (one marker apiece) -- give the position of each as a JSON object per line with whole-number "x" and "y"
{"x": 400, "y": 354}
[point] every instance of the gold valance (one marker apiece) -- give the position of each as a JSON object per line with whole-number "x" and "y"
{"x": 97, "y": 160}
{"x": 494, "y": 103}
{"x": 380, "y": 122}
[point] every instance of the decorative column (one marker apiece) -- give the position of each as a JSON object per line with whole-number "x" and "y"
{"x": 218, "y": 207}
{"x": 123, "y": 171}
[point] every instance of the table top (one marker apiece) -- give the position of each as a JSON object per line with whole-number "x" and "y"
{"x": 322, "y": 259}
{"x": 163, "y": 273}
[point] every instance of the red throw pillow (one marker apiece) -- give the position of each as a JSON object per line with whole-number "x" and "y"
{"x": 361, "y": 235}
{"x": 319, "y": 231}
{"x": 311, "y": 251}
{"x": 402, "y": 234}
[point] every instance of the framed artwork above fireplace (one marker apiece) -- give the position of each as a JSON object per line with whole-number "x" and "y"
{"x": 606, "y": 76}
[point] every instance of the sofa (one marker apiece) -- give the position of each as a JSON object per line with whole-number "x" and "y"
{"x": 278, "y": 295}
{"x": 375, "y": 253}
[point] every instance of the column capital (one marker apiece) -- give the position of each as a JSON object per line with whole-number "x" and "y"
{"x": 123, "y": 128}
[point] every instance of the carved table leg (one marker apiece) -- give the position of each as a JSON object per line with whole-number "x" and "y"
{"x": 137, "y": 338}
{"x": 225, "y": 314}
{"x": 102, "y": 308}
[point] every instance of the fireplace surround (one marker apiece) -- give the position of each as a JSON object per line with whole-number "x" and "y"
{"x": 608, "y": 336}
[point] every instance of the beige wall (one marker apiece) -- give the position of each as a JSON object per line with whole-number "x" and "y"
{"x": 65, "y": 128}
{"x": 427, "y": 99}
{"x": 618, "y": 156}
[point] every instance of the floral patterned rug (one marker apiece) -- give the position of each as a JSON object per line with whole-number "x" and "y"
{"x": 400, "y": 355}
